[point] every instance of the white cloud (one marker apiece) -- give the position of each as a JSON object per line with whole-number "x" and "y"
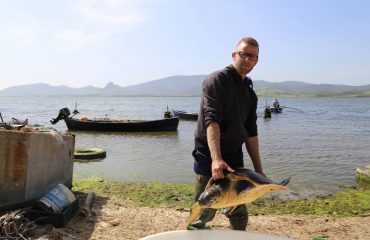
{"x": 96, "y": 21}
{"x": 20, "y": 31}
{"x": 127, "y": 14}
{"x": 81, "y": 24}
{"x": 75, "y": 39}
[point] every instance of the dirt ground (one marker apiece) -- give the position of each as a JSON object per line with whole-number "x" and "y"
{"x": 113, "y": 219}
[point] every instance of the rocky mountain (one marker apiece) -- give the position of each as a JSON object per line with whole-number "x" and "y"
{"x": 189, "y": 86}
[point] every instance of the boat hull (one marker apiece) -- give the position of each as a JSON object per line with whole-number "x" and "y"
{"x": 185, "y": 115}
{"x": 278, "y": 110}
{"x": 166, "y": 124}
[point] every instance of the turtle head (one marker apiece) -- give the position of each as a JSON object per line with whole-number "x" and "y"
{"x": 210, "y": 196}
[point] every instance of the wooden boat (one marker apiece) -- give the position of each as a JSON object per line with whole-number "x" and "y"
{"x": 109, "y": 125}
{"x": 13, "y": 124}
{"x": 267, "y": 112}
{"x": 276, "y": 110}
{"x": 185, "y": 115}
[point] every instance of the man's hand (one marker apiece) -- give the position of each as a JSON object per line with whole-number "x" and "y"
{"x": 217, "y": 168}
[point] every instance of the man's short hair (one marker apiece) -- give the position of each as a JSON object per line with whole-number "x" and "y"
{"x": 249, "y": 41}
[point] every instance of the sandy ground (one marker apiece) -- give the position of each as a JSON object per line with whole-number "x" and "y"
{"x": 113, "y": 219}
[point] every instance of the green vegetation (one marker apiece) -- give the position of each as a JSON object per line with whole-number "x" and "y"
{"x": 139, "y": 194}
{"x": 363, "y": 181}
{"x": 347, "y": 203}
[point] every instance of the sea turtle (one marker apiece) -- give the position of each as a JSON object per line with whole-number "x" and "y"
{"x": 241, "y": 187}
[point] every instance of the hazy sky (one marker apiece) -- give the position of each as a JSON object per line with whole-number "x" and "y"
{"x": 86, "y": 42}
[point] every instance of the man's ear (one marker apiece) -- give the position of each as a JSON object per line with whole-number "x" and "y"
{"x": 233, "y": 55}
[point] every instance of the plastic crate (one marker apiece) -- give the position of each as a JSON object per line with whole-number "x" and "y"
{"x": 57, "y": 219}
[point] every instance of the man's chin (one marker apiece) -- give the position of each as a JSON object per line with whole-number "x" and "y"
{"x": 247, "y": 70}
{"x": 244, "y": 71}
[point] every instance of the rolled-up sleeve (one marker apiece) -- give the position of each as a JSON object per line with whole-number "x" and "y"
{"x": 213, "y": 94}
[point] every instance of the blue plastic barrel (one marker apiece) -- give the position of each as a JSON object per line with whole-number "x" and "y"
{"x": 57, "y": 199}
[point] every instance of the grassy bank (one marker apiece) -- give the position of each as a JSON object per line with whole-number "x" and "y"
{"x": 353, "y": 202}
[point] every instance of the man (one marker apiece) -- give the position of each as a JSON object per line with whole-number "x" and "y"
{"x": 227, "y": 119}
{"x": 276, "y": 105}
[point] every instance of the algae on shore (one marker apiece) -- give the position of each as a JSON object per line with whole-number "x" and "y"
{"x": 353, "y": 202}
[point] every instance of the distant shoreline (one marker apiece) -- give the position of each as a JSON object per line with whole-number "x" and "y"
{"x": 280, "y": 95}
{"x": 189, "y": 86}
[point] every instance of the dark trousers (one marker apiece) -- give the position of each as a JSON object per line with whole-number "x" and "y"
{"x": 238, "y": 218}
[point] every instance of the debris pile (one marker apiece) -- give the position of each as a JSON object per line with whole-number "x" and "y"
{"x": 14, "y": 225}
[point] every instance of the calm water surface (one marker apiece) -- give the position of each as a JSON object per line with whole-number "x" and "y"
{"x": 317, "y": 141}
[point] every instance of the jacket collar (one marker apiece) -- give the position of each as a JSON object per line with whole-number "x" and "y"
{"x": 247, "y": 79}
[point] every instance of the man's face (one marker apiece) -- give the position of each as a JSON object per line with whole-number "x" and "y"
{"x": 245, "y": 58}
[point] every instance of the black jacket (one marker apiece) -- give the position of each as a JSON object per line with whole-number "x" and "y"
{"x": 229, "y": 100}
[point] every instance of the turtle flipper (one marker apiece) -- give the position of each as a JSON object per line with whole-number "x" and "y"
{"x": 285, "y": 182}
{"x": 195, "y": 212}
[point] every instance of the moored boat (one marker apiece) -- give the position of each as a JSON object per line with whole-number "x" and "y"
{"x": 185, "y": 115}
{"x": 276, "y": 109}
{"x": 267, "y": 112}
{"x": 110, "y": 125}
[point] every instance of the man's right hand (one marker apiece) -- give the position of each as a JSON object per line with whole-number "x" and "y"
{"x": 218, "y": 167}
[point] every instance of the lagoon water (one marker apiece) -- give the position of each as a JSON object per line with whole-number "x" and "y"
{"x": 319, "y": 142}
